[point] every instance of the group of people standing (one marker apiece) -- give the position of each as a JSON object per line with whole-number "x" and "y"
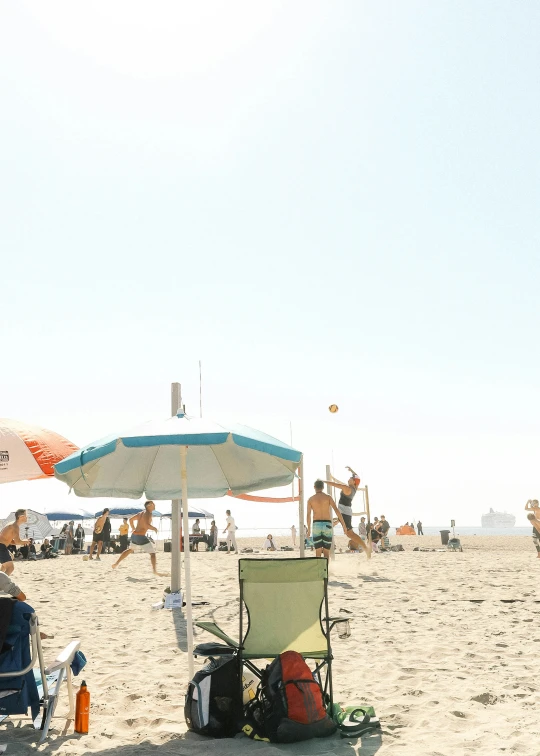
{"x": 74, "y": 537}
{"x": 378, "y": 531}
{"x": 230, "y": 531}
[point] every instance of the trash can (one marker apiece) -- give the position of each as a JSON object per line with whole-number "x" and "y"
{"x": 167, "y": 546}
{"x": 444, "y": 537}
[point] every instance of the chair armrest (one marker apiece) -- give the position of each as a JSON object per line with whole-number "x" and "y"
{"x": 339, "y": 619}
{"x": 65, "y": 657}
{"x": 214, "y": 629}
{"x": 213, "y": 649}
{"x": 333, "y": 621}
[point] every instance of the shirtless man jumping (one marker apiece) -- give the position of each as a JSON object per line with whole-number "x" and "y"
{"x": 320, "y": 505}
{"x": 11, "y": 535}
{"x": 348, "y": 492}
{"x": 140, "y": 524}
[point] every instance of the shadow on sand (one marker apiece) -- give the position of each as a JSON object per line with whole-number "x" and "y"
{"x": 180, "y": 628}
{"x": 338, "y": 584}
{"x": 196, "y": 745}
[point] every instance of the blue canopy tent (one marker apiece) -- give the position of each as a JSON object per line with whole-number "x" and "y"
{"x": 70, "y": 513}
{"x": 193, "y": 513}
{"x": 125, "y": 512}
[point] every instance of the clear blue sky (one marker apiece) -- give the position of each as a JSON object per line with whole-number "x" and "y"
{"x": 323, "y": 201}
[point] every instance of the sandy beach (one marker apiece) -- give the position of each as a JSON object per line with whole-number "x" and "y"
{"x": 444, "y": 645}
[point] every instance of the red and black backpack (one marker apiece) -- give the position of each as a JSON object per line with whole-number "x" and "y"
{"x": 289, "y": 704}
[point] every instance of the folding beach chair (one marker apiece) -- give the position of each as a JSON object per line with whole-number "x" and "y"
{"x": 21, "y": 686}
{"x": 283, "y": 599}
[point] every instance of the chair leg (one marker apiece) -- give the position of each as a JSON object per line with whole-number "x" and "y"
{"x": 69, "y": 678}
{"x": 51, "y": 706}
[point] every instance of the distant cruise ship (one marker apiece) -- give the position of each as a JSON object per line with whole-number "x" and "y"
{"x": 498, "y": 520}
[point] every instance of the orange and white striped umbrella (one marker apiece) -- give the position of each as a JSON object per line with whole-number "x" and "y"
{"x": 28, "y": 452}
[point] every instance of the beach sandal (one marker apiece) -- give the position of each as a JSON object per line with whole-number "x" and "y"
{"x": 355, "y": 721}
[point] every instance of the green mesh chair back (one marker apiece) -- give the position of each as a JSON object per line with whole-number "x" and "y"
{"x": 283, "y": 599}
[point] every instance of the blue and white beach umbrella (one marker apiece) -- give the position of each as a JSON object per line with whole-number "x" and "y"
{"x": 181, "y": 457}
{"x": 145, "y": 461}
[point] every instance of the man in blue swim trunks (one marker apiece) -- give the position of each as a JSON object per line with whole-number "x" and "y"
{"x": 140, "y": 542}
{"x": 320, "y": 507}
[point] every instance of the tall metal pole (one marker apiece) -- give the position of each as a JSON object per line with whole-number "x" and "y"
{"x": 200, "y": 389}
{"x": 301, "y": 509}
{"x": 176, "y": 580}
{"x": 187, "y": 560}
{"x": 329, "y": 492}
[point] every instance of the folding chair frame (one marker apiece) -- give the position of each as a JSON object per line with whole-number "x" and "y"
{"x": 61, "y": 665}
{"x": 327, "y": 624}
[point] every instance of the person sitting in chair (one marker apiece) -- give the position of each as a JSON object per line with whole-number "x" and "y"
{"x": 9, "y": 587}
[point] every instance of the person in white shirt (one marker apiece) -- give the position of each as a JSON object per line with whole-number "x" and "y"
{"x": 196, "y": 529}
{"x": 362, "y": 530}
{"x": 293, "y": 535}
{"x": 231, "y": 533}
{"x": 9, "y": 587}
{"x": 269, "y": 544}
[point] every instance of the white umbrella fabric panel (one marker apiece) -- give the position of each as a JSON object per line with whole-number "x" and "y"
{"x": 37, "y": 526}
{"x": 145, "y": 461}
{"x": 180, "y": 458}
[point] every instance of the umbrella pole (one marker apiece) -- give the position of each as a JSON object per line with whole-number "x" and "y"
{"x": 176, "y": 581}
{"x": 187, "y": 562}
{"x": 301, "y": 510}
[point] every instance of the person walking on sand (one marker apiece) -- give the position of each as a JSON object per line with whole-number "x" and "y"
{"x": 319, "y": 507}
{"x": 11, "y": 535}
{"x": 293, "y": 536}
{"x": 141, "y": 523}
{"x": 98, "y": 535}
{"x": 231, "y": 533}
{"x": 348, "y": 492}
